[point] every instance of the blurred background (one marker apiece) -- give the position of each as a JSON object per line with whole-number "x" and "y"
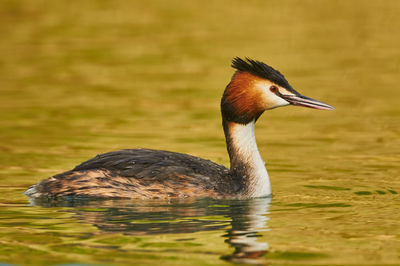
{"x": 80, "y": 78}
{"x": 93, "y": 76}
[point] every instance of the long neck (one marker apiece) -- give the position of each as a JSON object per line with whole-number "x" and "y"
{"x": 247, "y": 165}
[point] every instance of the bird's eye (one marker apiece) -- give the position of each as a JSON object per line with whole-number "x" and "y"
{"x": 273, "y": 89}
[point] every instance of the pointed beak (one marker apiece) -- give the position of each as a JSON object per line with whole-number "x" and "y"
{"x": 301, "y": 100}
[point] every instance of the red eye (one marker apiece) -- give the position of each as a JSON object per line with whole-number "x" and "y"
{"x": 273, "y": 89}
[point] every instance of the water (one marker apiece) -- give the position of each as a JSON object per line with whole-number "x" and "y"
{"x": 82, "y": 79}
{"x": 185, "y": 231}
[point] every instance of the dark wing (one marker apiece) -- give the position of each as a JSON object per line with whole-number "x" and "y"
{"x": 139, "y": 174}
{"x": 147, "y": 163}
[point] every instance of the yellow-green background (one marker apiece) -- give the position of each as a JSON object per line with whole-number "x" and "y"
{"x": 79, "y": 78}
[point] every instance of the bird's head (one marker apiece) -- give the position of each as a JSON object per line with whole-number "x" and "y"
{"x": 256, "y": 87}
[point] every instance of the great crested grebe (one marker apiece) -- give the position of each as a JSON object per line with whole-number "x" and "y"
{"x": 154, "y": 174}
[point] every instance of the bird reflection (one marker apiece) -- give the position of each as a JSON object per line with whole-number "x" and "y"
{"x": 247, "y": 220}
{"x": 242, "y": 220}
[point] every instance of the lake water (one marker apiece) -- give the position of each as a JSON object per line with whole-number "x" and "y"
{"x": 78, "y": 79}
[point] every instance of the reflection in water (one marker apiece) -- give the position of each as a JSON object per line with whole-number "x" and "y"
{"x": 247, "y": 219}
{"x": 243, "y": 218}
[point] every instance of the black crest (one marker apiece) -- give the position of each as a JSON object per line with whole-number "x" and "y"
{"x": 261, "y": 70}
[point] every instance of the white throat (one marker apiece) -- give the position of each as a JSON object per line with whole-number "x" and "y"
{"x": 246, "y": 154}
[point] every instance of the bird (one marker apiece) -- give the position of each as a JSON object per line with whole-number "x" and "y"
{"x": 157, "y": 174}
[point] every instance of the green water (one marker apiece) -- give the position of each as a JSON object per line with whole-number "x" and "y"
{"x": 80, "y": 78}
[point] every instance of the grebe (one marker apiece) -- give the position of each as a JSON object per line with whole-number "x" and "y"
{"x": 155, "y": 174}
